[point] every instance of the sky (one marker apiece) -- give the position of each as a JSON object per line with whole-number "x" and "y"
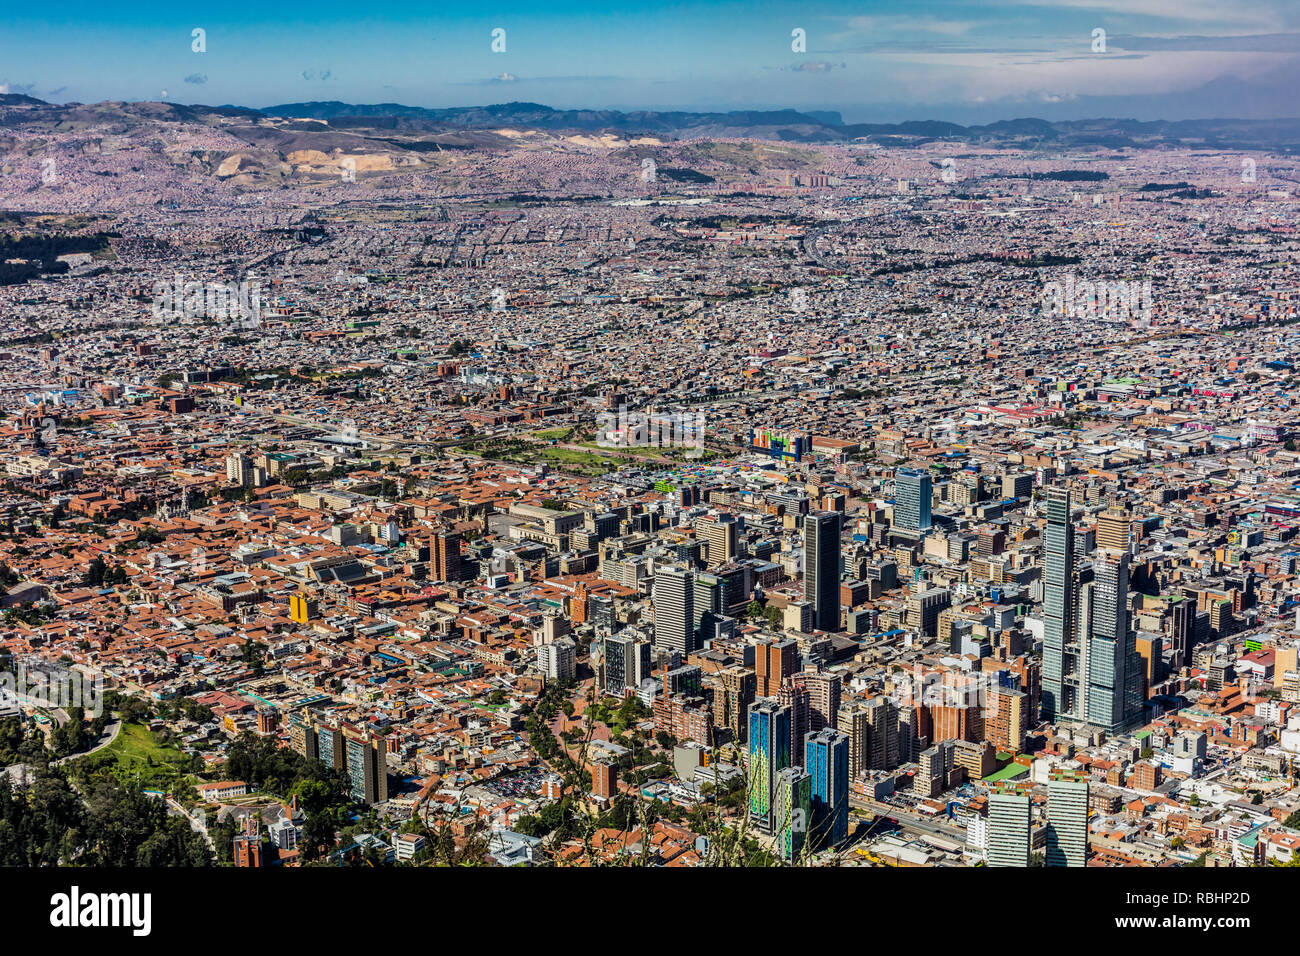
{"x": 966, "y": 61}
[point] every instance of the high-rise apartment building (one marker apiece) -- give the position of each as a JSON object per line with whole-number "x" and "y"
{"x": 852, "y": 722}
{"x": 1067, "y": 823}
{"x": 883, "y": 743}
{"x": 733, "y": 694}
{"x": 774, "y": 662}
{"x": 1006, "y": 719}
{"x": 824, "y": 690}
{"x": 1008, "y": 830}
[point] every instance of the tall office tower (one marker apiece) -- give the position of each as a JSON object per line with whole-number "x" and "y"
{"x": 1061, "y": 665}
{"x": 1113, "y": 530}
{"x": 1182, "y": 631}
{"x": 674, "y": 606}
{"x": 1113, "y": 671}
{"x": 821, "y": 563}
{"x": 774, "y": 661}
{"x": 444, "y": 556}
{"x": 1008, "y": 830}
{"x": 733, "y": 695}
{"x": 723, "y": 537}
{"x": 1067, "y": 823}
{"x": 602, "y": 612}
{"x": 709, "y": 598}
{"x": 913, "y": 490}
{"x": 882, "y": 718}
{"x": 1007, "y": 719}
{"x": 769, "y": 754}
{"x": 824, "y": 691}
{"x": 618, "y": 650}
{"x": 792, "y": 811}
{"x": 852, "y": 722}
{"x": 367, "y": 768}
{"x": 826, "y": 757}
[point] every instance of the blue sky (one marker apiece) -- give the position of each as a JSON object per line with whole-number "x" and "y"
{"x": 962, "y": 60}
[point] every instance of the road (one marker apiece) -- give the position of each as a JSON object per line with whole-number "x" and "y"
{"x": 199, "y": 824}
{"x": 112, "y": 729}
{"x": 911, "y": 821}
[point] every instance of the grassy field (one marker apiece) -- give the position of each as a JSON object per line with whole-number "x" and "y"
{"x": 136, "y": 751}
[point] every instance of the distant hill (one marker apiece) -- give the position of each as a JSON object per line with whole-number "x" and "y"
{"x": 820, "y": 126}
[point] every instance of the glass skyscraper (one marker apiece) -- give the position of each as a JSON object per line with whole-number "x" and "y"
{"x": 826, "y": 756}
{"x": 769, "y": 754}
{"x": 821, "y": 568}
{"x": 913, "y": 490}
{"x": 1061, "y": 690}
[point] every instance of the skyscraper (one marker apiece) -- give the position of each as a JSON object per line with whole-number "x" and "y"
{"x": 1067, "y": 823}
{"x": 774, "y": 661}
{"x": 1113, "y": 530}
{"x": 792, "y": 811}
{"x": 1182, "y": 631}
{"x": 1061, "y": 665}
{"x": 824, "y": 690}
{"x": 674, "y": 606}
{"x": 821, "y": 556}
{"x": 882, "y": 735}
{"x": 444, "y": 556}
{"x": 723, "y": 537}
{"x": 852, "y": 722}
{"x": 826, "y": 756}
{"x": 1008, "y": 830}
{"x": 769, "y": 754}
{"x": 1112, "y": 647}
{"x": 913, "y": 491}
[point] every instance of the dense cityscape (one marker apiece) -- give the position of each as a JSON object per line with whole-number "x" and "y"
{"x": 511, "y": 493}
